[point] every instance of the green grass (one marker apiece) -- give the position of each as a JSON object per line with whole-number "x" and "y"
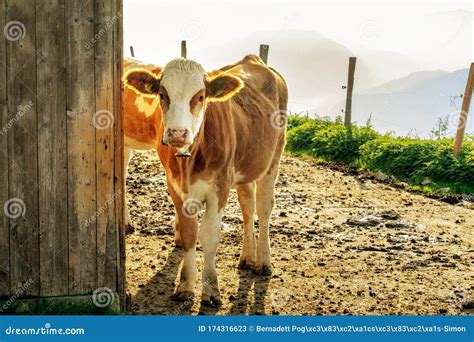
{"x": 410, "y": 160}
{"x": 74, "y": 305}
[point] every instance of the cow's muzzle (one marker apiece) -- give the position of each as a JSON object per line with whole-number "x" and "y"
{"x": 179, "y": 154}
{"x": 183, "y": 154}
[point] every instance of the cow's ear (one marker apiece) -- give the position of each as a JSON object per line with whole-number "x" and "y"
{"x": 142, "y": 81}
{"x": 222, "y": 87}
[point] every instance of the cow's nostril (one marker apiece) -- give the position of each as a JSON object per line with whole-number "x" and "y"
{"x": 177, "y": 133}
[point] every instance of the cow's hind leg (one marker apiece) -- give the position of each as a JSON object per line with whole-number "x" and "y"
{"x": 265, "y": 203}
{"x": 209, "y": 238}
{"x": 246, "y": 196}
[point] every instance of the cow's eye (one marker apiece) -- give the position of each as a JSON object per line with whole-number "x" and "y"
{"x": 162, "y": 96}
{"x": 201, "y": 98}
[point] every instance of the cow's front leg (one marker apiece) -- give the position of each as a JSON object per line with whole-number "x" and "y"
{"x": 177, "y": 201}
{"x": 188, "y": 231}
{"x": 177, "y": 234}
{"x": 209, "y": 238}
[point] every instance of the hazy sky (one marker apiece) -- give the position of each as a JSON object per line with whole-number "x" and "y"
{"x": 391, "y": 40}
{"x": 438, "y": 34}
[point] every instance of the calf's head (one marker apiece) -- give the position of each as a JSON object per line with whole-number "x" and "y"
{"x": 184, "y": 89}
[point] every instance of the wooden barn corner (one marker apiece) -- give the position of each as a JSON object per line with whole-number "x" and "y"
{"x": 61, "y": 160}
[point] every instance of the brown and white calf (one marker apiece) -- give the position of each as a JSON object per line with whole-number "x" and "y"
{"x": 141, "y": 118}
{"x": 218, "y": 130}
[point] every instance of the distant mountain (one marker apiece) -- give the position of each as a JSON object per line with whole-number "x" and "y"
{"x": 414, "y": 102}
{"x": 314, "y": 66}
{"x": 407, "y": 82}
{"x": 386, "y": 87}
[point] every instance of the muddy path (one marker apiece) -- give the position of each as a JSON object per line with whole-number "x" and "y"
{"x": 340, "y": 245}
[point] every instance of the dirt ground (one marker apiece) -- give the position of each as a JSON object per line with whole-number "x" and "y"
{"x": 341, "y": 245}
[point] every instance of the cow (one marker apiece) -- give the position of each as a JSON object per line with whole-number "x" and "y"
{"x": 141, "y": 118}
{"x": 218, "y": 130}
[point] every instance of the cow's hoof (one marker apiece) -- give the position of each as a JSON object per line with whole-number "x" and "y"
{"x": 211, "y": 301}
{"x": 246, "y": 265}
{"x": 263, "y": 270}
{"x": 183, "y": 296}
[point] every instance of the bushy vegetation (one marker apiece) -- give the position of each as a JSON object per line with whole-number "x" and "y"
{"x": 411, "y": 160}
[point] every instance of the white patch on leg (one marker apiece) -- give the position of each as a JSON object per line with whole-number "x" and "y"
{"x": 209, "y": 238}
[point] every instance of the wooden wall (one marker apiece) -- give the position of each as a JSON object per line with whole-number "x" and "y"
{"x": 61, "y": 147}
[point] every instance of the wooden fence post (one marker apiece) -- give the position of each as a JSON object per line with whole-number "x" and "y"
{"x": 264, "y": 53}
{"x": 184, "y": 51}
{"x": 466, "y": 102}
{"x": 350, "y": 86}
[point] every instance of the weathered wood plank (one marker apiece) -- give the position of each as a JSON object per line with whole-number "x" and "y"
{"x": 52, "y": 151}
{"x": 81, "y": 148}
{"x": 4, "y": 222}
{"x": 119, "y": 253}
{"x": 104, "y": 133}
{"x": 22, "y": 142}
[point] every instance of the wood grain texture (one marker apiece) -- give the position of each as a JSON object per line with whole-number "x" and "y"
{"x": 54, "y": 158}
{"x": 104, "y": 133}
{"x": 118, "y": 150}
{"x": 4, "y": 222}
{"x": 81, "y": 148}
{"x": 23, "y": 156}
{"x": 52, "y": 147}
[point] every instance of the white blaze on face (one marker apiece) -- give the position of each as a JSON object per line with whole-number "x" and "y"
{"x": 181, "y": 81}
{"x": 183, "y": 89}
